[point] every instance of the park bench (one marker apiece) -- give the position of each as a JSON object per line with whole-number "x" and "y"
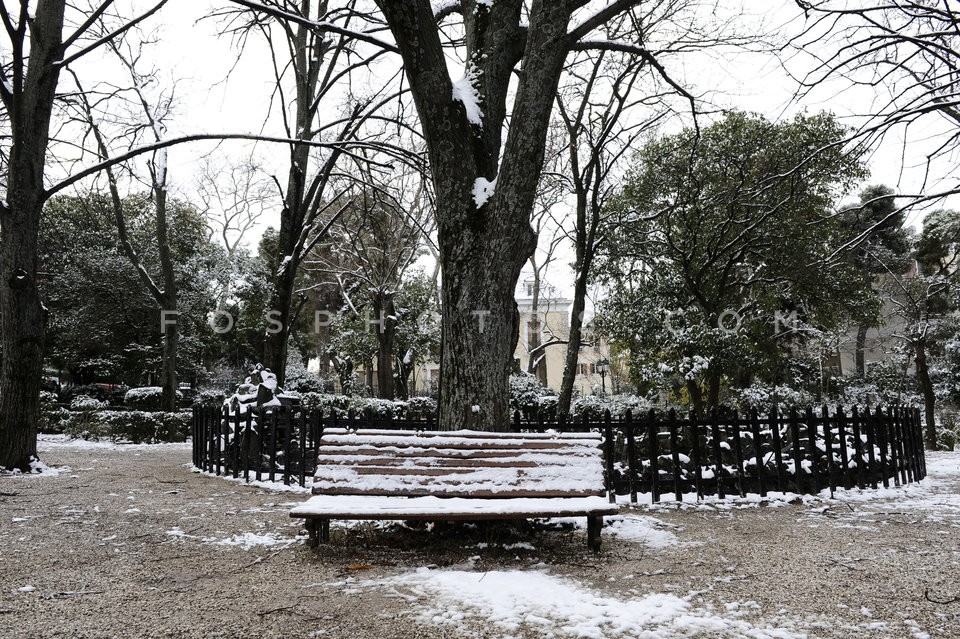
{"x": 455, "y": 476}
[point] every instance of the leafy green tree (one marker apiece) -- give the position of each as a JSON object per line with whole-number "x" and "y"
{"x": 883, "y": 244}
{"x": 722, "y": 256}
{"x": 103, "y": 324}
{"x": 925, "y": 302}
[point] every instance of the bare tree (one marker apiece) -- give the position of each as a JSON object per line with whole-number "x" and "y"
{"x": 152, "y": 111}
{"x": 909, "y": 47}
{"x": 313, "y": 49}
{"x": 370, "y": 250}
{"x": 600, "y": 108}
{"x": 485, "y": 165}
{"x": 234, "y": 197}
{"x": 42, "y": 41}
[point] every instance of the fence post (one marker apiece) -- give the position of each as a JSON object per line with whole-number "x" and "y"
{"x": 893, "y": 438}
{"x": 697, "y": 457}
{"x": 261, "y": 431}
{"x": 632, "y": 471}
{"x": 777, "y": 442}
{"x": 675, "y": 456}
{"x": 813, "y": 449}
{"x": 796, "y": 449}
{"x": 880, "y": 428}
{"x": 717, "y": 453}
{"x": 856, "y": 422}
{"x": 608, "y": 454}
{"x": 271, "y": 416}
{"x": 828, "y": 449}
{"x": 758, "y": 451}
{"x": 653, "y": 435}
{"x": 844, "y": 455}
{"x": 903, "y": 448}
{"x": 245, "y": 443}
{"x": 516, "y": 421}
{"x": 921, "y": 447}
{"x": 303, "y": 448}
{"x": 738, "y": 449}
{"x": 211, "y": 433}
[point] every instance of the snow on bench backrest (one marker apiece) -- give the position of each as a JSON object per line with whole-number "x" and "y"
{"x": 458, "y": 464}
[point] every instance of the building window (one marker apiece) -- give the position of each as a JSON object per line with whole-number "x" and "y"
{"x": 586, "y": 369}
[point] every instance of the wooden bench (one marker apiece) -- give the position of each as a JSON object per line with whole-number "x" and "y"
{"x": 455, "y": 476}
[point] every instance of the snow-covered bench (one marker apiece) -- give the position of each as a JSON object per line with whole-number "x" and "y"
{"x": 455, "y": 476}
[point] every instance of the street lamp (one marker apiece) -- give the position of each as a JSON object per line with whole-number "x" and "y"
{"x": 603, "y": 365}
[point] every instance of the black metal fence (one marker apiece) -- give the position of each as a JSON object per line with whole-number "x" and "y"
{"x": 663, "y": 456}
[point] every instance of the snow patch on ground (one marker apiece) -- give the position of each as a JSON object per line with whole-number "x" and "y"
{"x": 47, "y": 443}
{"x": 520, "y": 602}
{"x": 277, "y": 486}
{"x": 245, "y": 540}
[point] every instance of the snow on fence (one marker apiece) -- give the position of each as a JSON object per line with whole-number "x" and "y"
{"x": 665, "y": 457}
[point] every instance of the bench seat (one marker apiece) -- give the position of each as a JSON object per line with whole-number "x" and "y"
{"x": 455, "y": 476}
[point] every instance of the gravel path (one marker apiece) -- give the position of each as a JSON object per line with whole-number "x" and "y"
{"x": 130, "y": 543}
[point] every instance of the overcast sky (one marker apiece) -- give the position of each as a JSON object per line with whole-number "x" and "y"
{"x": 191, "y": 54}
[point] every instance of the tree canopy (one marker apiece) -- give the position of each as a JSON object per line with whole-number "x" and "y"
{"x": 722, "y": 252}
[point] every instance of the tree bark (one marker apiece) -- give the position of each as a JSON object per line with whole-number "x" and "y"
{"x": 926, "y": 389}
{"x": 29, "y": 107}
{"x": 861, "y": 346}
{"x": 576, "y": 334}
{"x": 386, "y": 324}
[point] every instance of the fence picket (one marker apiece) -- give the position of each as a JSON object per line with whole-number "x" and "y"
{"x": 632, "y": 471}
{"x": 777, "y": 449}
{"x": 844, "y": 454}
{"x": 813, "y": 450}
{"x": 654, "y": 447}
{"x": 738, "y": 449}
{"x": 717, "y": 453}
{"x": 697, "y": 458}
{"x": 828, "y": 450}
{"x": 758, "y": 451}
{"x": 675, "y": 456}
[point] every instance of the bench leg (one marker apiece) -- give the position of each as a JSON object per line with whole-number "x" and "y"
{"x": 594, "y": 525}
{"x": 318, "y": 531}
{"x": 313, "y": 532}
{"x": 324, "y": 531}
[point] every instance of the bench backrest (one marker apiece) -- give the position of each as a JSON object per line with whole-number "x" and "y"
{"x": 460, "y": 463}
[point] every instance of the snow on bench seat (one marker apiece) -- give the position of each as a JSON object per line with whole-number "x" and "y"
{"x": 456, "y": 475}
{"x": 448, "y": 508}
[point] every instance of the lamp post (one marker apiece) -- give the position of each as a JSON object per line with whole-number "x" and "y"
{"x": 603, "y": 365}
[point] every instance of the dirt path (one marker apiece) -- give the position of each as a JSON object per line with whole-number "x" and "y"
{"x": 131, "y": 543}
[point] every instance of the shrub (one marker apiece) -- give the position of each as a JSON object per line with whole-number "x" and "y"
{"x": 132, "y": 426}
{"x": 211, "y": 397}
{"x": 594, "y": 407}
{"x": 85, "y": 403}
{"x": 527, "y": 393}
{"x": 147, "y": 398}
{"x": 417, "y": 408}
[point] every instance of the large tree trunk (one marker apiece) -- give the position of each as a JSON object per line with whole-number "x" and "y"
{"x": 481, "y": 326}
{"x": 22, "y": 323}
{"x": 926, "y": 389}
{"x": 279, "y": 314}
{"x": 576, "y": 337}
{"x": 171, "y": 339}
{"x": 385, "y": 317}
{"x": 861, "y": 346}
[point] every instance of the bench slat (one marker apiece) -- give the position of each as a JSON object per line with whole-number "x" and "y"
{"x": 452, "y": 509}
{"x": 463, "y": 434}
